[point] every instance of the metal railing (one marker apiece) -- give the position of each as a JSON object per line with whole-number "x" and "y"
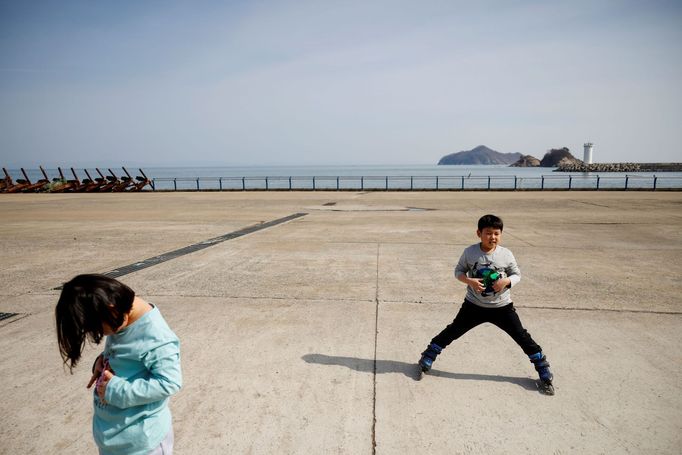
{"x": 419, "y": 183}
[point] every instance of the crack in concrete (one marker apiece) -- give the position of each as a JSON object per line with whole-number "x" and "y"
{"x": 554, "y": 308}
{"x": 374, "y": 363}
{"x": 519, "y": 239}
{"x": 591, "y": 203}
{"x": 606, "y": 310}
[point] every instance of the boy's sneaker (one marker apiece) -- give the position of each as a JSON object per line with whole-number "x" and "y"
{"x": 429, "y": 356}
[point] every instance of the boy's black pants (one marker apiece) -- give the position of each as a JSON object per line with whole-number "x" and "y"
{"x": 471, "y": 315}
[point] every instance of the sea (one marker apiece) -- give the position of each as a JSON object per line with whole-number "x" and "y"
{"x": 369, "y": 177}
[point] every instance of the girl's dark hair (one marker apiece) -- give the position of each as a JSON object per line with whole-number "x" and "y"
{"x": 86, "y": 302}
{"x": 490, "y": 221}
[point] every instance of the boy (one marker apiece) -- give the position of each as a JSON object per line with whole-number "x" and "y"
{"x": 489, "y": 271}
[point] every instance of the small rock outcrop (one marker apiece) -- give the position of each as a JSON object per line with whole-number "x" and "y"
{"x": 558, "y": 156}
{"x": 526, "y": 161}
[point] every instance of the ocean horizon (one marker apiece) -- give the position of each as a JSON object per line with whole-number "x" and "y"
{"x": 312, "y": 171}
{"x": 369, "y": 176}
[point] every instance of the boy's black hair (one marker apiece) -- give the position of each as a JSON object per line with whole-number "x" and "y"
{"x": 490, "y": 221}
{"x": 86, "y": 302}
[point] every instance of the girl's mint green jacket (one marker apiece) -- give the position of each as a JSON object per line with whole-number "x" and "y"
{"x": 145, "y": 359}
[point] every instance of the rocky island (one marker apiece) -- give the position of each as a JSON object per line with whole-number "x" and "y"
{"x": 553, "y": 158}
{"x": 526, "y": 161}
{"x": 559, "y": 158}
{"x": 479, "y": 155}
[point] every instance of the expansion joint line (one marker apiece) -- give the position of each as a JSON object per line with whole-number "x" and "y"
{"x": 199, "y": 246}
{"x": 149, "y": 262}
{"x": 374, "y": 373}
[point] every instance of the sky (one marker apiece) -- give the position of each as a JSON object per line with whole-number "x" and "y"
{"x": 236, "y": 83}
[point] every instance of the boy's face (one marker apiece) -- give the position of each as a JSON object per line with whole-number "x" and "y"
{"x": 490, "y": 237}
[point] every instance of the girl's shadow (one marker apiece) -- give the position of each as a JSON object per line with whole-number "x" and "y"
{"x": 411, "y": 370}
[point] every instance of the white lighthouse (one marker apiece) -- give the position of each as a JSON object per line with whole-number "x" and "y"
{"x": 587, "y": 156}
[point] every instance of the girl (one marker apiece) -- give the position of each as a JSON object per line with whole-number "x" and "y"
{"x": 138, "y": 370}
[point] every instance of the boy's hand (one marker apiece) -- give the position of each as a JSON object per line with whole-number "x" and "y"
{"x": 102, "y": 383}
{"x": 476, "y": 284}
{"x": 501, "y": 284}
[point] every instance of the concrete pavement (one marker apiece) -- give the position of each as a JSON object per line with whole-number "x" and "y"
{"x": 302, "y": 337}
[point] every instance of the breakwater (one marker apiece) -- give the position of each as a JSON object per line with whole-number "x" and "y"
{"x": 619, "y": 167}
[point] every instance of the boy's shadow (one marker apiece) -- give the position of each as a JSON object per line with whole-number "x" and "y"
{"x": 411, "y": 370}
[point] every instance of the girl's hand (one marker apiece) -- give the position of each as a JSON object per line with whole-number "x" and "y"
{"x": 102, "y": 383}
{"x": 96, "y": 370}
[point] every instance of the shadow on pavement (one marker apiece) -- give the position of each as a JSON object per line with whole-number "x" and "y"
{"x": 411, "y": 370}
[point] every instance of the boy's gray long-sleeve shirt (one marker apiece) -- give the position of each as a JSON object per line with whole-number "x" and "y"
{"x": 473, "y": 261}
